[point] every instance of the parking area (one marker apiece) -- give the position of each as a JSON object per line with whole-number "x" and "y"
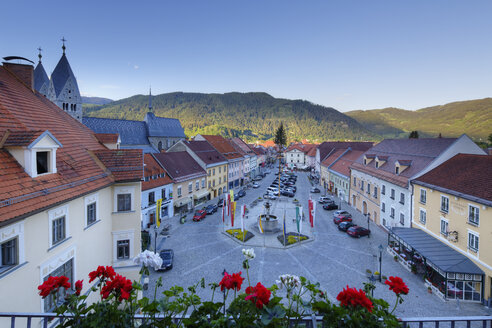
{"x": 333, "y": 259}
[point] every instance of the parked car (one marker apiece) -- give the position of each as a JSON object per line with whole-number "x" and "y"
{"x": 270, "y": 196}
{"x": 345, "y": 225}
{"x": 342, "y": 218}
{"x": 211, "y": 209}
{"x": 241, "y": 193}
{"x": 324, "y": 200}
{"x": 220, "y": 203}
{"x": 341, "y": 212}
{"x": 257, "y": 178}
{"x": 167, "y": 256}
{"x": 330, "y": 206}
{"x": 255, "y": 185}
{"x": 288, "y": 193}
{"x": 315, "y": 190}
{"x": 199, "y": 215}
{"x": 358, "y": 231}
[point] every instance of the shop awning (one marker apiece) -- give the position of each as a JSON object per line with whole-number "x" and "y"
{"x": 202, "y": 194}
{"x": 182, "y": 202}
{"x": 435, "y": 251}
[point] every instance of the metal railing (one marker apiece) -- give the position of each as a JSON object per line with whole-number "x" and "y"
{"x": 25, "y": 319}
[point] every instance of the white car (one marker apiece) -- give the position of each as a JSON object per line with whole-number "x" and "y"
{"x": 270, "y": 196}
{"x": 255, "y": 185}
{"x": 340, "y": 212}
{"x": 324, "y": 199}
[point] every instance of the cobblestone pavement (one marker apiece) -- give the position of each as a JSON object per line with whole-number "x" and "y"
{"x": 333, "y": 258}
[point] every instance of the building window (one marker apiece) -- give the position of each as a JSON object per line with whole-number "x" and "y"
{"x": 444, "y": 227}
{"x": 197, "y": 184}
{"x": 190, "y": 187}
{"x": 209, "y": 185}
{"x": 376, "y": 192}
{"x": 203, "y": 183}
{"x": 42, "y": 165}
{"x": 423, "y": 196}
{"x": 383, "y": 207}
{"x": 213, "y": 183}
{"x": 402, "y": 219}
{"x": 224, "y": 190}
{"x": 151, "y": 198}
{"x": 377, "y": 164}
{"x": 473, "y": 241}
{"x": 220, "y": 180}
{"x": 392, "y": 194}
{"x": 362, "y": 185}
{"x": 124, "y": 202}
{"x": 213, "y": 171}
{"x": 91, "y": 213}
{"x": 66, "y": 270}
{"x": 423, "y": 216}
{"x": 123, "y": 249}
{"x": 209, "y": 172}
{"x": 392, "y": 213}
{"x": 220, "y": 168}
{"x": 58, "y": 230}
{"x": 397, "y": 170}
{"x": 369, "y": 188}
{"x": 163, "y": 194}
{"x": 473, "y": 215}
{"x": 9, "y": 253}
{"x": 402, "y": 198}
{"x": 383, "y": 190}
{"x": 179, "y": 191}
{"x": 355, "y": 181}
{"x": 444, "y": 204}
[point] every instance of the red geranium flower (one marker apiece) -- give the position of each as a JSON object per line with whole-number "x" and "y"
{"x": 397, "y": 285}
{"x": 233, "y": 281}
{"x": 259, "y": 295}
{"x": 52, "y": 285}
{"x": 103, "y": 273}
{"x": 78, "y": 287}
{"x": 353, "y": 297}
{"x": 119, "y": 286}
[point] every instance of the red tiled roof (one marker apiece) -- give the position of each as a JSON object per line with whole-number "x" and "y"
{"x": 152, "y": 169}
{"x": 21, "y": 138}
{"x": 109, "y": 138}
{"x": 268, "y": 143}
{"x": 342, "y": 165}
{"x": 78, "y": 173}
{"x": 124, "y": 164}
{"x": 180, "y": 165}
{"x": 223, "y": 146}
{"x": 205, "y": 151}
{"x": 464, "y": 173}
{"x": 333, "y": 157}
{"x": 312, "y": 152}
{"x": 327, "y": 147}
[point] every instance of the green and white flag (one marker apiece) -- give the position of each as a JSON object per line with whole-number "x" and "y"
{"x": 297, "y": 219}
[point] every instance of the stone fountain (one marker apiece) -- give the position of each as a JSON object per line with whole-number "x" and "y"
{"x": 269, "y": 222}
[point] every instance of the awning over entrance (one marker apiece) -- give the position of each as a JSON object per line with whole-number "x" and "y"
{"x": 435, "y": 251}
{"x": 182, "y": 202}
{"x": 201, "y": 194}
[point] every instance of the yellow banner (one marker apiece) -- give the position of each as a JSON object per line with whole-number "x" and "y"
{"x": 231, "y": 192}
{"x": 158, "y": 212}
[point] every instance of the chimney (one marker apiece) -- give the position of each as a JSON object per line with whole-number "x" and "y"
{"x": 23, "y": 72}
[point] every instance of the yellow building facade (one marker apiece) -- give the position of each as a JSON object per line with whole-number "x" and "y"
{"x": 217, "y": 180}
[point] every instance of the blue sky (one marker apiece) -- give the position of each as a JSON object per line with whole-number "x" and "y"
{"x": 343, "y": 54}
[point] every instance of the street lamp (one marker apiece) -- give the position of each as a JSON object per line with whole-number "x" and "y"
{"x": 155, "y": 238}
{"x": 380, "y": 260}
{"x": 368, "y": 219}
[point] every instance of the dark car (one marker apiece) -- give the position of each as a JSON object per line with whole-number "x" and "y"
{"x": 315, "y": 190}
{"x": 220, "y": 203}
{"x": 199, "y": 215}
{"x": 241, "y": 193}
{"x": 211, "y": 209}
{"x": 342, "y": 218}
{"x": 287, "y": 193}
{"x": 344, "y": 226}
{"x": 167, "y": 256}
{"x": 330, "y": 206}
{"x": 358, "y": 231}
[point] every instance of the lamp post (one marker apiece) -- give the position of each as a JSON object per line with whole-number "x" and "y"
{"x": 380, "y": 260}
{"x": 368, "y": 219}
{"x": 155, "y": 238}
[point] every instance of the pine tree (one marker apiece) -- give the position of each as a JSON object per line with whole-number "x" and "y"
{"x": 280, "y": 136}
{"x": 414, "y": 135}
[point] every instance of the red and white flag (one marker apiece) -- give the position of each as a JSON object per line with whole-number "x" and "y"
{"x": 243, "y": 213}
{"x": 310, "y": 210}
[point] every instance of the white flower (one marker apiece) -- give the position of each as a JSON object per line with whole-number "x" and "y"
{"x": 289, "y": 281}
{"x": 249, "y": 253}
{"x": 148, "y": 259}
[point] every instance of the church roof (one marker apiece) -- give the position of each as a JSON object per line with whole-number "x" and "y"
{"x": 164, "y": 127}
{"x": 40, "y": 77}
{"x": 61, "y": 74}
{"x": 131, "y": 132}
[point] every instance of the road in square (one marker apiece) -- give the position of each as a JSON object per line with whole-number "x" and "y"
{"x": 331, "y": 258}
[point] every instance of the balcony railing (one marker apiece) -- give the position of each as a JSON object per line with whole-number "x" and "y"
{"x": 21, "y": 319}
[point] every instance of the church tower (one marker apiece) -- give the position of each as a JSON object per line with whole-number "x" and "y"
{"x": 63, "y": 89}
{"x": 41, "y": 81}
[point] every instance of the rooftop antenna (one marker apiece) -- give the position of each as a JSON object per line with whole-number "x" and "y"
{"x": 39, "y": 55}
{"x": 63, "y": 46}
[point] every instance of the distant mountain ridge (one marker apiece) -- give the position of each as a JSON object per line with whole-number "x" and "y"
{"x": 473, "y": 117}
{"x": 252, "y": 116}
{"x": 96, "y": 100}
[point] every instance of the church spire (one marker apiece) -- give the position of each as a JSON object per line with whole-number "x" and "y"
{"x": 39, "y": 55}
{"x": 150, "y": 99}
{"x": 63, "y": 46}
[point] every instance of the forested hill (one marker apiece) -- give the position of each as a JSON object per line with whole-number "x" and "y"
{"x": 473, "y": 117}
{"x": 251, "y": 116}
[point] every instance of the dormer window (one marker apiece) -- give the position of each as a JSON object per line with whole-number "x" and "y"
{"x": 42, "y": 162}
{"x": 377, "y": 164}
{"x": 397, "y": 170}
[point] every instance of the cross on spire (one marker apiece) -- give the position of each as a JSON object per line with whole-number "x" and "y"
{"x": 39, "y": 55}
{"x": 63, "y": 47}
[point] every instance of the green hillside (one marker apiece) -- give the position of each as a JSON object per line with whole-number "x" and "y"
{"x": 251, "y": 116}
{"x": 473, "y": 117}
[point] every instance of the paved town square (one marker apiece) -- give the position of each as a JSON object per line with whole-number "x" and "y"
{"x": 330, "y": 257}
